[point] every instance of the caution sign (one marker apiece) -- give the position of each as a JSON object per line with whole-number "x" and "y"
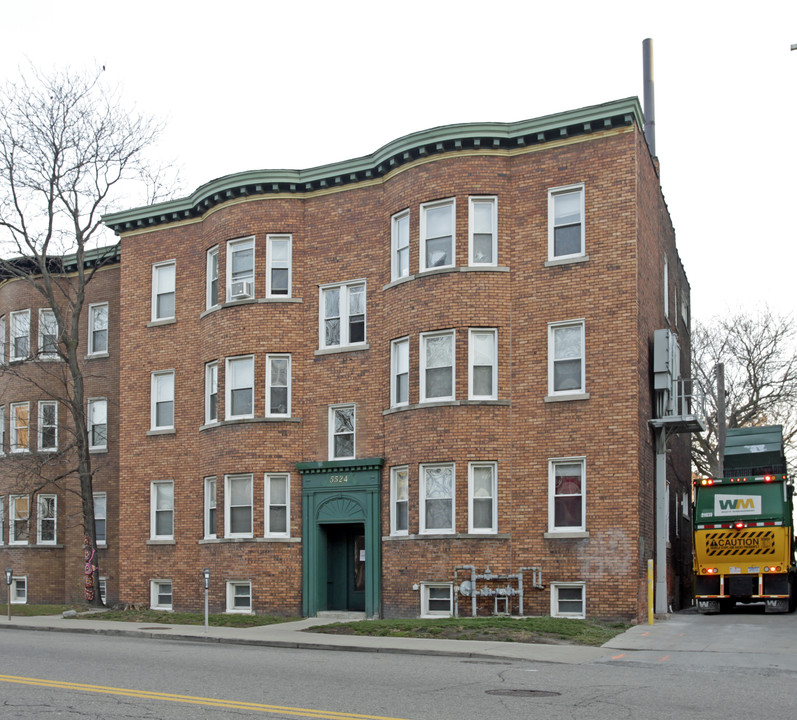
{"x": 751, "y": 542}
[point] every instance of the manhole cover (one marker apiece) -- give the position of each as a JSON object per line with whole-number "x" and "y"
{"x": 523, "y": 693}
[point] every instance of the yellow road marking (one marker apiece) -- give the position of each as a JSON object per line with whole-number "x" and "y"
{"x": 190, "y": 699}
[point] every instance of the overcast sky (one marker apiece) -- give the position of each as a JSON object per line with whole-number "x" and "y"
{"x": 251, "y": 85}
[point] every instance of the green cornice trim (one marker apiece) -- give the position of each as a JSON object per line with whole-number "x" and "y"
{"x": 307, "y": 468}
{"x": 470, "y": 137}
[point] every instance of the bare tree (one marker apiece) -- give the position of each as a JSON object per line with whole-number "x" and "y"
{"x": 67, "y": 147}
{"x": 759, "y": 357}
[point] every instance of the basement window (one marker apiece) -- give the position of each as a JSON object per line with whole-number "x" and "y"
{"x": 568, "y": 600}
{"x": 436, "y": 600}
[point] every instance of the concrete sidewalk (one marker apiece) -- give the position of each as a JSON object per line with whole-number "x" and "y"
{"x": 292, "y": 635}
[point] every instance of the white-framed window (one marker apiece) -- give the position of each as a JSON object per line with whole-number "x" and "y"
{"x": 46, "y": 519}
{"x": 48, "y": 334}
{"x": 97, "y": 416}
{"x": 666, "y": 281}
{"x": 2, "y": 520}
{"x": 2, "y": 339}
{"x": 482, "y": 497}
{"x": 20, "y": 334}
{"x": 482, "y": 364}
{"x": 239, "y": 596}
{"x": 437, "y": 366}
{"x": 101, "y": 518}
{"x": 437, "y": 600}
{"x": 212, "y": 278}
{"x": 164, "y": 279}
{"x": 342, "y": 432}
{"x": 399, "y": 500}
{"x": 400, "y": 372}
{"x": 278, "y": 385}
{"x": 210, "y": 507}
{"x": 211, "y": 392}
{"x": 566, "y": 494}
{"x": 48, "y": 425}
{"x": 160, "y": 595}
{"x": 103, "y": 589}
{"x": 438, "y": 234}
{"x": 566, "y": 357}
{"x": 98, "y": 329}
{"x": 162, "y": 510}
{"x": 278, "y": 265}
{"x": 400, "y": 245}
{"x": 241, "y": 269}
{"x": 162, "y": 404}
{"x": 568, "y": 600}
{"x": 2, "y": 430}
{"x": 437, "y": 495}
{"x": 483, "y": 231}
{"x": 19, "y": 519}
{"x": 566, "y": 222}
{"x": 238, "y": 506}
{"x": 19, "y": 590}
{"x": 277, "y": 502}
{"x": 20, "y": 427}
{"x": 239, "y": 382}
{"x": 342, "y": 315}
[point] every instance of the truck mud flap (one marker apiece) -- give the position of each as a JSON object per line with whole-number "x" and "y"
{"x": 708, "y": 607}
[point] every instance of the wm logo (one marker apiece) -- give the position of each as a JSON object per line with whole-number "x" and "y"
{"x": 738, "y": 504}
{"x": 729, "y": 505}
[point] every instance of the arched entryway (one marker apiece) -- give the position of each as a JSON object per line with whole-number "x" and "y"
{"x": 341, "y": 548}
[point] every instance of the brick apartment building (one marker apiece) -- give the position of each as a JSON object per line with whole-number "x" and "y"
{"x": 41, "y": 520}
{"x": 369, "y": 385}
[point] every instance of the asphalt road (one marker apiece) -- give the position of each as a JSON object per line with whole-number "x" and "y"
{"x": 62, "y": 675}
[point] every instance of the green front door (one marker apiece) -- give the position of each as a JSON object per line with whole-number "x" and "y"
{"x": 341, "y": 536}
{"x": 345, "y": 566}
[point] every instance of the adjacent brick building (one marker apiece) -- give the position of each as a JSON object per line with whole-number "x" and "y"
{"x": 41, "y": 519}
{"x": 357, "y": 386}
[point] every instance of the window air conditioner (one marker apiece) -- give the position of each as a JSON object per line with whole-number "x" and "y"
{"x": 240, "y": 289}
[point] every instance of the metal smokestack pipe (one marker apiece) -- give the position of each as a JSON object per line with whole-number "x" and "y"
{"x": 649, "y": 108}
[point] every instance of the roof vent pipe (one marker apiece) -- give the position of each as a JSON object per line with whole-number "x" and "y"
{"x": 649, "y": 109}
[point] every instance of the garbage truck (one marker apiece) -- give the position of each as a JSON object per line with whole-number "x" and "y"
{"x": 743, "y": 541}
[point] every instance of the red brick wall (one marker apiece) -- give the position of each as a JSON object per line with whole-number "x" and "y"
{"x": 345, "y": 235}
{"x": 55, "y": 573}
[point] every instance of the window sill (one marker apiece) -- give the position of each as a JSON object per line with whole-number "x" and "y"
{"x": 249, "y": 301}
{"x": 446, "y": 536}
{"x": 571, "y": 535}
{"x": 242, "y": 301}
{"x": 165, "y": 321}
{"x": 97, "y": 356}
{"x": 280, "y": 299}
{"x": 98, "y": 451}
{"x": 165, "y": 431}
{"x": 442, "y": 271}
{"x": 342, "y": 349}
{"x": 444, "y": 403}
{"x": 566, "y": 261}
{"x": 161, "y": 542}
{"x": 566, "y": 397}
{"x": 243, "y": 421}
{"x": 220, "y": 541}
{"x": 35, "y": 546}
